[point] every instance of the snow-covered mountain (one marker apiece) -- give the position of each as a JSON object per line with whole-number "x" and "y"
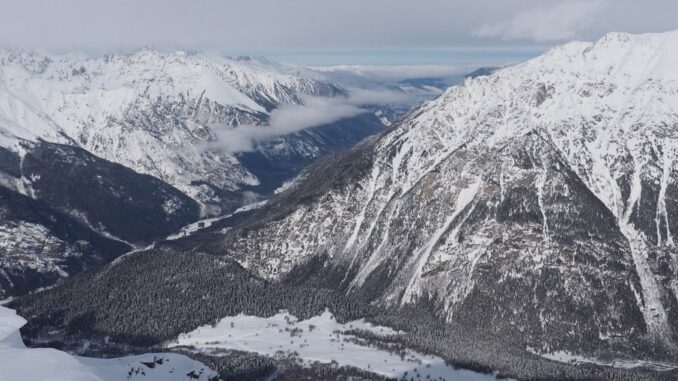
{"x": 156, "y": 112}
{"x": 539, "y": 202}
{"x": 108, "y": 145}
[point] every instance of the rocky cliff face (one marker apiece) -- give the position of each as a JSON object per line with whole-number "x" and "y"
{"x": 109, "y": 197}
{"x": 64, "y": 209}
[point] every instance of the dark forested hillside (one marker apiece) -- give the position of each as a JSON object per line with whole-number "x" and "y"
{"x": 135, "y": 207}
{"x": 53, "y": 243}
{"x": 147, "y": 297}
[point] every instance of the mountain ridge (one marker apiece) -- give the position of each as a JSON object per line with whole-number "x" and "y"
{"x": 153, "y": 111}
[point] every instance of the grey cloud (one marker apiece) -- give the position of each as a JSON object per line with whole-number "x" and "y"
{"x": 269, "y": 26}
{"x": 396, "y": 72}
{"x": 361, "y": 96}
{"x": 556, "y": 22}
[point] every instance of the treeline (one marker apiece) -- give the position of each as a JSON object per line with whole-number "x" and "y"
{"x": 463, "y": 347}
{"x": 290, "y": 370}
{"x": 236, "y": 365}
{"x": 233, "y": 365}
{"x": 150, "y": 297}
{"x": 153, "y": 296}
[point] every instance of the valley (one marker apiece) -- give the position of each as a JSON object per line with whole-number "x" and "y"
{"x": 185, "y": 215}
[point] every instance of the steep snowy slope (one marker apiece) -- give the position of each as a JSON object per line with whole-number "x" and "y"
{"x": 20, "y": 363}
{"x": 154, "y": 112}
{"x": 542, "y": 198}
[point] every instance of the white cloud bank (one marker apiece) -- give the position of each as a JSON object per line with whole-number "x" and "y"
{"x": 315, "y": 111}
{"x": 560, "y": 21}
{"x": 284, "y": 120}
{"x": 396, "y": 72}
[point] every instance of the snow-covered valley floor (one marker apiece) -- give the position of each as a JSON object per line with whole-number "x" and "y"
{"x": 567, "y": 357}
{"x": 320, "y": 339}
{"x": 17, "y": 362}
{"x": 192, "y": 228}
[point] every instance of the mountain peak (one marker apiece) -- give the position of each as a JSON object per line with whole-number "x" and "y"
{"x": 633, "y": 57}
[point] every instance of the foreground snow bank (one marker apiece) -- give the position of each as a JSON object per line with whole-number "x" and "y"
{"x": 42, "y": 364}
{"x": 321, "y": 339}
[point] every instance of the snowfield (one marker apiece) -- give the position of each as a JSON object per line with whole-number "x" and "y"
{"x": 20, "y": 363}
{"x": 320, "y": 339}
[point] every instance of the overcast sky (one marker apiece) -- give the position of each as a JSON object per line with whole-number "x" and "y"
{"x": 328, "y": 32}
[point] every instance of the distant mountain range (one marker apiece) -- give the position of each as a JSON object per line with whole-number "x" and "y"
{"x": 151, "y": 111}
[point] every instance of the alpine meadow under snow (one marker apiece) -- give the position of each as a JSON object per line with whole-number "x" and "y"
{"x": 188, "y": 216}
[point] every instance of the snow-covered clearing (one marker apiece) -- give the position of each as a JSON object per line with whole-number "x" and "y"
{"x": 321, "y": 339}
